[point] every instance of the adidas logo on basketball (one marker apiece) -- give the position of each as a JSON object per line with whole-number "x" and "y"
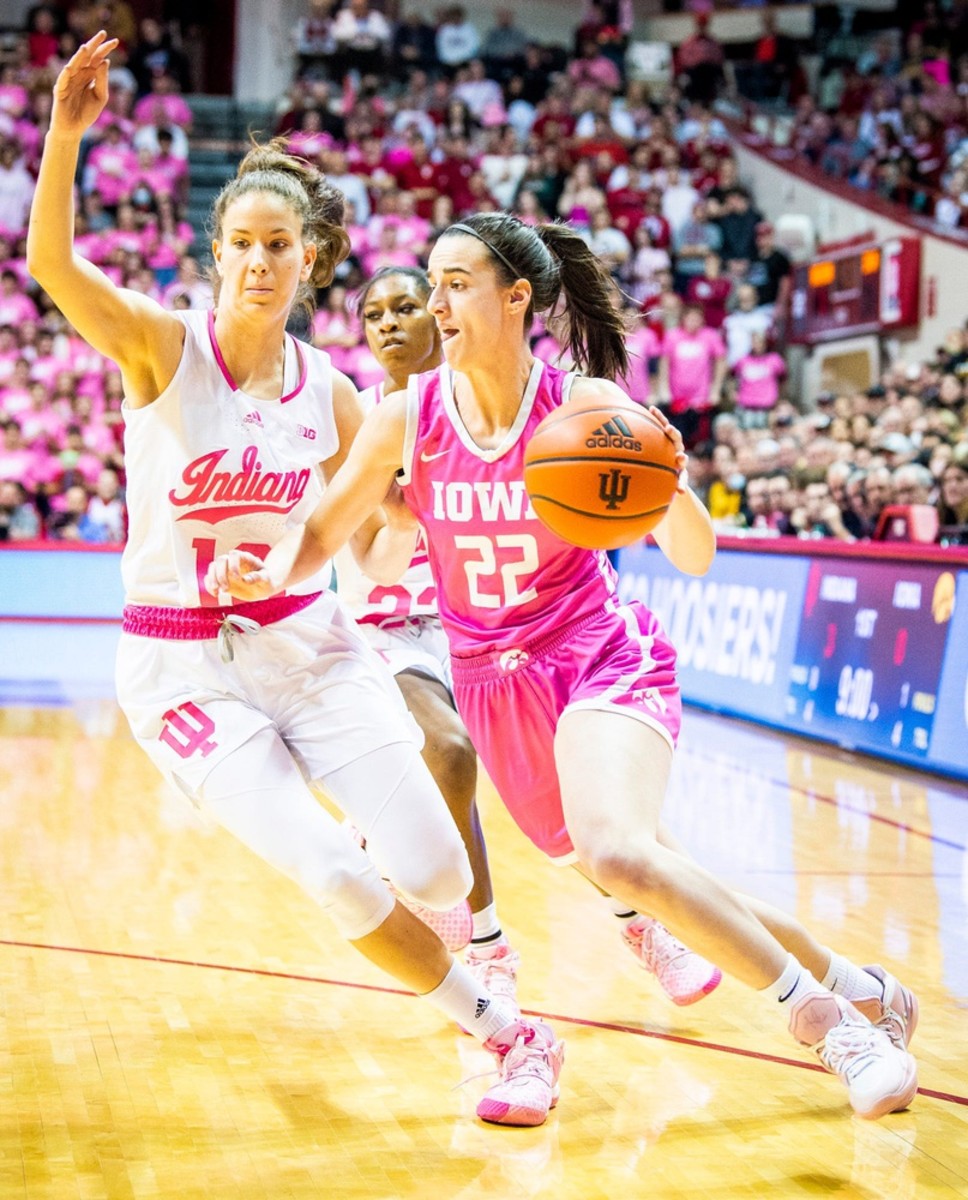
{"x": 613, "y": 435}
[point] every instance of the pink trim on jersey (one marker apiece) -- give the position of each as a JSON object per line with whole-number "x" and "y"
{"x": 227, "y": 374}
{"x": 502, "y": 577}
{"x": 200, "y": 624}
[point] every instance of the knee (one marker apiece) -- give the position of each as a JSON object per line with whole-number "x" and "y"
{"x": 453, "y": 763}
{"x": 440, "y": 883}
{"x": 624, "y": 870}
{"x": 348, "y": 888}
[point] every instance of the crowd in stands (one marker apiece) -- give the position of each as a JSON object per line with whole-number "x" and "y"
{"x": 420, "y": 123}
{"x": 888, "y": 113}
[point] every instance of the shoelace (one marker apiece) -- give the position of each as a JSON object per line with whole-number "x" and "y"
{"x": 230, "y": 626}
{"x": 495, "y": 972}
{"x": 848, "y": 1049}
{"x": 660, "y": 952}
{"x": 526, "y": 1058}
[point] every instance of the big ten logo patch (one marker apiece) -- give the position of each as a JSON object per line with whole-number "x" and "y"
{"x": 188, "y": 730}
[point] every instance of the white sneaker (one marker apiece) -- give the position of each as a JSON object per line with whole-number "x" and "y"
{"x": 530, "y": 1058}
{"x": 683, "y": 975}
{"x": 896, "y": 1013}
{"x": 880, "y": 1077}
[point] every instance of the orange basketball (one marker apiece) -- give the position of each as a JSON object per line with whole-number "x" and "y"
{"x": 600, "y": 472}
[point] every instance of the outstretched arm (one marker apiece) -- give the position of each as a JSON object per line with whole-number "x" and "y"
{"x": 357, "y": 488}
{"x": 133, "y": 331}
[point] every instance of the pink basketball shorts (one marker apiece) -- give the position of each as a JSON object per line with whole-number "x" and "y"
{"x": 616, "y": 660}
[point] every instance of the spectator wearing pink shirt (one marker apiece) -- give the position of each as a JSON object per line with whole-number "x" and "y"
{"x": 644, "y": 347}
{"x": 389, "y": 251}
{"x": 758, "y": 376}
{"x": 15, "y": 397}
{"x": 9, "y": 353}
{"x": 14, "y": 97}
{"x": 593, "y": 68}
{"x": 310, "y": 138}
{"x": 692, "y": 369}
{"x": 42, "y": 425}
{"x": 110, "y": 166}
{"x": 16, "y": 188}
{"x": 336, "y": 331}
{"x": 47, "y": 360}
{"x": 163, "y": 105}
{"x": 17, "y": 460}
{"x": 15, "y": 305}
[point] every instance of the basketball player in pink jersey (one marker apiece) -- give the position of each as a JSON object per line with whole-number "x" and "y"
{"x": 241, "y": 706}
{"x": 558, "y": 681}
{"x": 402, "y": 623}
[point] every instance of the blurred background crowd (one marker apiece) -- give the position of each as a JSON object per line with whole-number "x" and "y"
{"x": 420, "y": 120}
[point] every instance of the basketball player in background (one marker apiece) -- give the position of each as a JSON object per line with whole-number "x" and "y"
{"x": 558, "y": 682}
{"x": 403, "y": 624}
{"x": 227, "y": 418}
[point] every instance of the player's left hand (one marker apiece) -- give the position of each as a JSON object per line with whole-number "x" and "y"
{"x": 240, "y": 574}
{"x": 675, "y": 436}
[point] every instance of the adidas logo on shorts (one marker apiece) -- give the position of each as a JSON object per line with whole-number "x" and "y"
{"x": 614, "y": 435}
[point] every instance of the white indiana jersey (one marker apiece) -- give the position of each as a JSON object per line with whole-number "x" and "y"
{"x": 370, "y": 603}
{"x": 211, "y": 469}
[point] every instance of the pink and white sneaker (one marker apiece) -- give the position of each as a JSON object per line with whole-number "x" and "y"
{"x": 684, "y": 976}
{"x": 495, "y": 967}
{"x": 896, "y": 1013}
{"x": 880, "y": 1077}
{"x": 530, "y": 1058}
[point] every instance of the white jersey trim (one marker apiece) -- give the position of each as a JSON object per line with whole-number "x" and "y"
{"x": 510, "y": 439}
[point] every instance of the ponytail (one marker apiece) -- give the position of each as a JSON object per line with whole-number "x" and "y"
{"x": 558, "y": 264}
{"x": 596, "y": 330}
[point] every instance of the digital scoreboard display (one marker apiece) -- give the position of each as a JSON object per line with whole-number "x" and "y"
{"x": 856, "y": 289}
{"x": 869, "y": 653}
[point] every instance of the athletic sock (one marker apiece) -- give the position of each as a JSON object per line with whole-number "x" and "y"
{"x": 460, "y": 997}
{"x": 853, "y": 983}
{"x": 486, "y": 928}
{"x": 622, "y": 913}
{"x": 794, "y": 983}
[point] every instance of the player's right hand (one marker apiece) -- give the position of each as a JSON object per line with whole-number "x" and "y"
{"x": 240, "y": 574}
{"x": 81, "y": 89}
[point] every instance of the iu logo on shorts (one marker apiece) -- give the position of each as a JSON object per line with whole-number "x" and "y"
{"x": 187, "y": 729}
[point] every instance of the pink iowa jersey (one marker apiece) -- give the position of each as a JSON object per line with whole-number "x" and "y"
{"x": 212, "y": 469}
{"x": 374, "y": 603}
{"x": 502, "y": 577}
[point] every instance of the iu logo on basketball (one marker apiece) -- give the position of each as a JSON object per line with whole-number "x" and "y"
{"x": 613, "y": 487}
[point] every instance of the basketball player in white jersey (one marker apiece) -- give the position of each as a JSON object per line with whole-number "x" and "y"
{"x": 402, "y": 623}
{"x": 557, "y": 680}
{"x": 242, "y": 706}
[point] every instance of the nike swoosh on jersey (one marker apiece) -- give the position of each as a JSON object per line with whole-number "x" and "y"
{"x": 425, "y": 457}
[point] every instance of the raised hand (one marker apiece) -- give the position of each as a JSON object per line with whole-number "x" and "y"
{"x": 81, "y": 89}
{"x": 240, "y": 574}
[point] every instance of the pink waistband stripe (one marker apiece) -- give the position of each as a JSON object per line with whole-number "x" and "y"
{"x": 197, "y": 624}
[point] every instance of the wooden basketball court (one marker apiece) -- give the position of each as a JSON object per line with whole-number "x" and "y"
{"x": 178, "y": 1021}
